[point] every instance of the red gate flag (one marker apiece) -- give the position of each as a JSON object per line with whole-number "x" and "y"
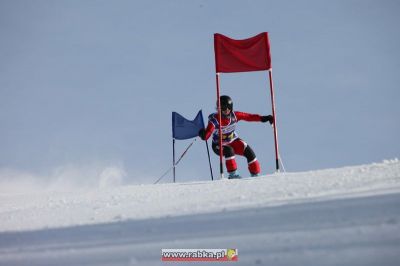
{"x": 252, "y": 54}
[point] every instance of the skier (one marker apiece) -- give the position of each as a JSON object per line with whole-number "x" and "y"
{"x": 231, "y": 143}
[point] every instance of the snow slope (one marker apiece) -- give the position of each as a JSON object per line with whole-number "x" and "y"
{"x": 346, "y": 216}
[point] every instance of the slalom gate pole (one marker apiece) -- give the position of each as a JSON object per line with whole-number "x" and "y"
{"x": 175, "y": 164}
{"x": 271, "y": 85}
{"x": 209, "y": 161}
{"x": 173, "y": 156}
{"x": 221, "y": 167}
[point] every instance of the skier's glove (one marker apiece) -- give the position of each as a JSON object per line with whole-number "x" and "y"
{"x": 267, "y": 118}
{"x": 202, "y": 134}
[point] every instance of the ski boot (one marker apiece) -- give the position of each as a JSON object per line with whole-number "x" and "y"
{"x": 234, "y": 175}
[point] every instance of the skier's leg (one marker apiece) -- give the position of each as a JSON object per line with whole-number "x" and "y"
{"x": 229, "y": 154}
{"x": 242, "y": 148}
{"x": 230, "y": 160}
{"x": 253, "y": 164}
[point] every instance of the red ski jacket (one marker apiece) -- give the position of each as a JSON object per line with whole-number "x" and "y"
{"x": 228, "y": 125}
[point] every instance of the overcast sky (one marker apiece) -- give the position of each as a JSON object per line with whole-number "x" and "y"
{"x": 93, "y": 83}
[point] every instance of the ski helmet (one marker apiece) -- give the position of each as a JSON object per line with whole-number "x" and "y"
{"x": 226, "y": 102}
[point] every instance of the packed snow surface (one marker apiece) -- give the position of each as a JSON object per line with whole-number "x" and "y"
{"x": 32, "y": 211}
{"x": 345, "y": 216}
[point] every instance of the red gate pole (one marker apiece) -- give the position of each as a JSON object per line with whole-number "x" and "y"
{"x": 271, "y": 85}
{"x": 221, "y": 167}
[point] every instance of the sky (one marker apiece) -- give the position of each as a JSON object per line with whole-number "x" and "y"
{"x": 88, "y": 87}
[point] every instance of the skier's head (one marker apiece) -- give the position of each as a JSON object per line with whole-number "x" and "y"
{"x": 226, "y": 103}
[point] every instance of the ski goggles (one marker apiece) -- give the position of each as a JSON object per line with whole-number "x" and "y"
{"x": 223, "y": 107}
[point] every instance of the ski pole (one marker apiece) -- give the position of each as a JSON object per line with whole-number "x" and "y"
{"x": 209, "y": 161}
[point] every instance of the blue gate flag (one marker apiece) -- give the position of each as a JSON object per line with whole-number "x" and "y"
{"x": 186, "y": 129}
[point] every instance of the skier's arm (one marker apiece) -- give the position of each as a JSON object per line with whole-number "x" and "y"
{"x": 205, "y": 134}
{"x": 254, "y": 117}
